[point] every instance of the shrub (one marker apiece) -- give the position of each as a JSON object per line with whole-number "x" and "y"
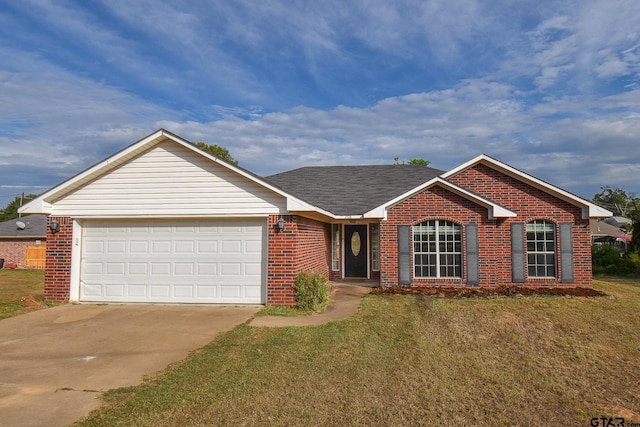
{"x": 608, "y": 260}
{"x": 312, "y": 292}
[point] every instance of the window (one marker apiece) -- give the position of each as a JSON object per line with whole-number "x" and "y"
{"x": 437, "y": 249}
{"x": 541, "y": 249}
{"x": 335, "y": 247}
{"x": 375, "y": 247}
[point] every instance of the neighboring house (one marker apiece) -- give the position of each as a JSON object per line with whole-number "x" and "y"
{"x": 23, "y": 241}
{"x": 603, "y": 233}
{"x": 619, "y": 221}
{"x": 163, "y": 221}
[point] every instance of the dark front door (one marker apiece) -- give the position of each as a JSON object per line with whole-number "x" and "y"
{"x": 355, "y": 251}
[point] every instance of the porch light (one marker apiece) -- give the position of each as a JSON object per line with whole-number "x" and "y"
{"x": 55, "y": 227}
{"x": 280, "y": 224}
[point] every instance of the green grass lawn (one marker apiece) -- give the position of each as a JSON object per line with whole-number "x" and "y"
{"x": 406, "y": 360}
{"x": 21, "y": 291}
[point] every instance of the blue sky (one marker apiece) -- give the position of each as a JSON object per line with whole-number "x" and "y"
{"x": 549, "y": 87}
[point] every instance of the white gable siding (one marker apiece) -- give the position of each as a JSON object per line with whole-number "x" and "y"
{"x": 170, "y": 180}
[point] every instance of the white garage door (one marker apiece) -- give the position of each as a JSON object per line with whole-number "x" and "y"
{"x": 173, "y": 261}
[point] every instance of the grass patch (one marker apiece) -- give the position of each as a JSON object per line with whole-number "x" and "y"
{"x": 277, "y": 310}
{"x": 21, "y": 291}
{"x": 410, "y": 360}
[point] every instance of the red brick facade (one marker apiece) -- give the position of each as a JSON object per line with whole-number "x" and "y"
{"x": 303, "y": 245}
{"x": 494, "y": 236}
{"x": 57, "y": 277}
{"x": 14, "y": 251}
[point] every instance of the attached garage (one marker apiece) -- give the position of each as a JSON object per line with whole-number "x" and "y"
{"x": 174, "y": 261}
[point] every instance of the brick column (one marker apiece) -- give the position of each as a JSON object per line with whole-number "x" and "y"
{"x": 57, "y": 275}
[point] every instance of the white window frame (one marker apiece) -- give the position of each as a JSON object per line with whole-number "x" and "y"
{"x": 440, "y": 249}
{"x": 540, "y": 248}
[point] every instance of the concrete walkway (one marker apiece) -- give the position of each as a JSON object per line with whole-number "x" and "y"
{"x": 55, "y": 363}
{"x": 345, "y": 300}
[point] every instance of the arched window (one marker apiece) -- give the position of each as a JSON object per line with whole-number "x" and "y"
{"x": 437, "y": 249}
{"x": 541, "y": 248}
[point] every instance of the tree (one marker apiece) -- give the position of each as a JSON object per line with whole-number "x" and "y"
{"x": 622, "y": 204}
{"x": 617, "y": 200}
{"x": 415, "y": 161}
{"x": 218, "y": 151}
{"x": 11, "y": 210}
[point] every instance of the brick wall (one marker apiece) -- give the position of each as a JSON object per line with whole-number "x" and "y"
{"x": 57, "y": 277}
{"x": 303, "y": 245}
{"x": 15, "y": 251}
{"x": 494, "y": 236}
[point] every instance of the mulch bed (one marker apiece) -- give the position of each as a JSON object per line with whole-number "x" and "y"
{"x": 499, "y": 291}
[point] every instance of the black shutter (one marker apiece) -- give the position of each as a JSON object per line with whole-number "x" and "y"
{"x": 517, "y": 252}
{"x": 566, "y": 252}
{"x": 473, "y": 267}
{"x": 404, "y": 254}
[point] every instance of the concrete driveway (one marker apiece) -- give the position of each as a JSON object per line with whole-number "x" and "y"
{"x": 55, "y": 363}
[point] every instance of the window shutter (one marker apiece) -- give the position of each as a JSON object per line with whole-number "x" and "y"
{"x": 473, "y": 263}
{"x": 404, "y": 254}
{"x": 566, "y": 252}
{"x": 517, "y": 252}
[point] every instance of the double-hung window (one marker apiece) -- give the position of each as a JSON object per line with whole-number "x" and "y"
{"x": 437, "y": 249}
{"x": 541, "y": 249}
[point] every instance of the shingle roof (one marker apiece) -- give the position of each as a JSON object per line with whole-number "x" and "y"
{"x": 35, "y": 226}
{"x": 352, "y": 190}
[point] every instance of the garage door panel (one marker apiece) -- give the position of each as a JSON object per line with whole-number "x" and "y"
{"x": 137, "y": 290}
{"x": 207, "y": 291}
{"x": 161, "y": 247}
{"x": 138, "y": 268}
{"x": 252, "y": 269}
{"x": 184, "y": 269}
{"x": 207, "y": 269}
{"x": 173, "y": 261}
{"x": 114, "y": 290}
{"x": 207, "y": 247}
{"x": 138, "y": 246}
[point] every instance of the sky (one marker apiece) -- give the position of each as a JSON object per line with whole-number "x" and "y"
{"x": 551, "y": 87}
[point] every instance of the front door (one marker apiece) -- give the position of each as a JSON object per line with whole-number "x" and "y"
{"x": 356, "y": 250}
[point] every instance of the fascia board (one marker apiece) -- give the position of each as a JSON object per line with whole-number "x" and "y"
{"x": 589, "y": 210}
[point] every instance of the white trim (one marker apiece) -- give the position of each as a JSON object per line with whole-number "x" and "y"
{"x": 589, "y": 210}
{"x": 494, "y": 209}
{"x": 76, "y": 257}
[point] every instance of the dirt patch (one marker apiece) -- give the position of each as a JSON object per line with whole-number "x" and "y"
{"x": 31, "y": 302}
{"x": 498, "y": 291}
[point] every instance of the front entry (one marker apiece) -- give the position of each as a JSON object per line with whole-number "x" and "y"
{"x": 356, "y": 250}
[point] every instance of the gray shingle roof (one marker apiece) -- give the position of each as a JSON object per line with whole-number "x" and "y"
{"x": 352, "y": 190}
{"x": 35, "y": 226}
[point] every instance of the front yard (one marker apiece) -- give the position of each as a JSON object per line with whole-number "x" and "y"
{"x": 21, "y": 291}
{"x": 410, "y": 360}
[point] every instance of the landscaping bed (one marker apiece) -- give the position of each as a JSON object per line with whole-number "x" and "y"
{"x": 499, "y": 291}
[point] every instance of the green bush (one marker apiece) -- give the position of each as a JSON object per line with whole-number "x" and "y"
{"x": 608, "y": 260}
{"x": 312, "y": 292}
